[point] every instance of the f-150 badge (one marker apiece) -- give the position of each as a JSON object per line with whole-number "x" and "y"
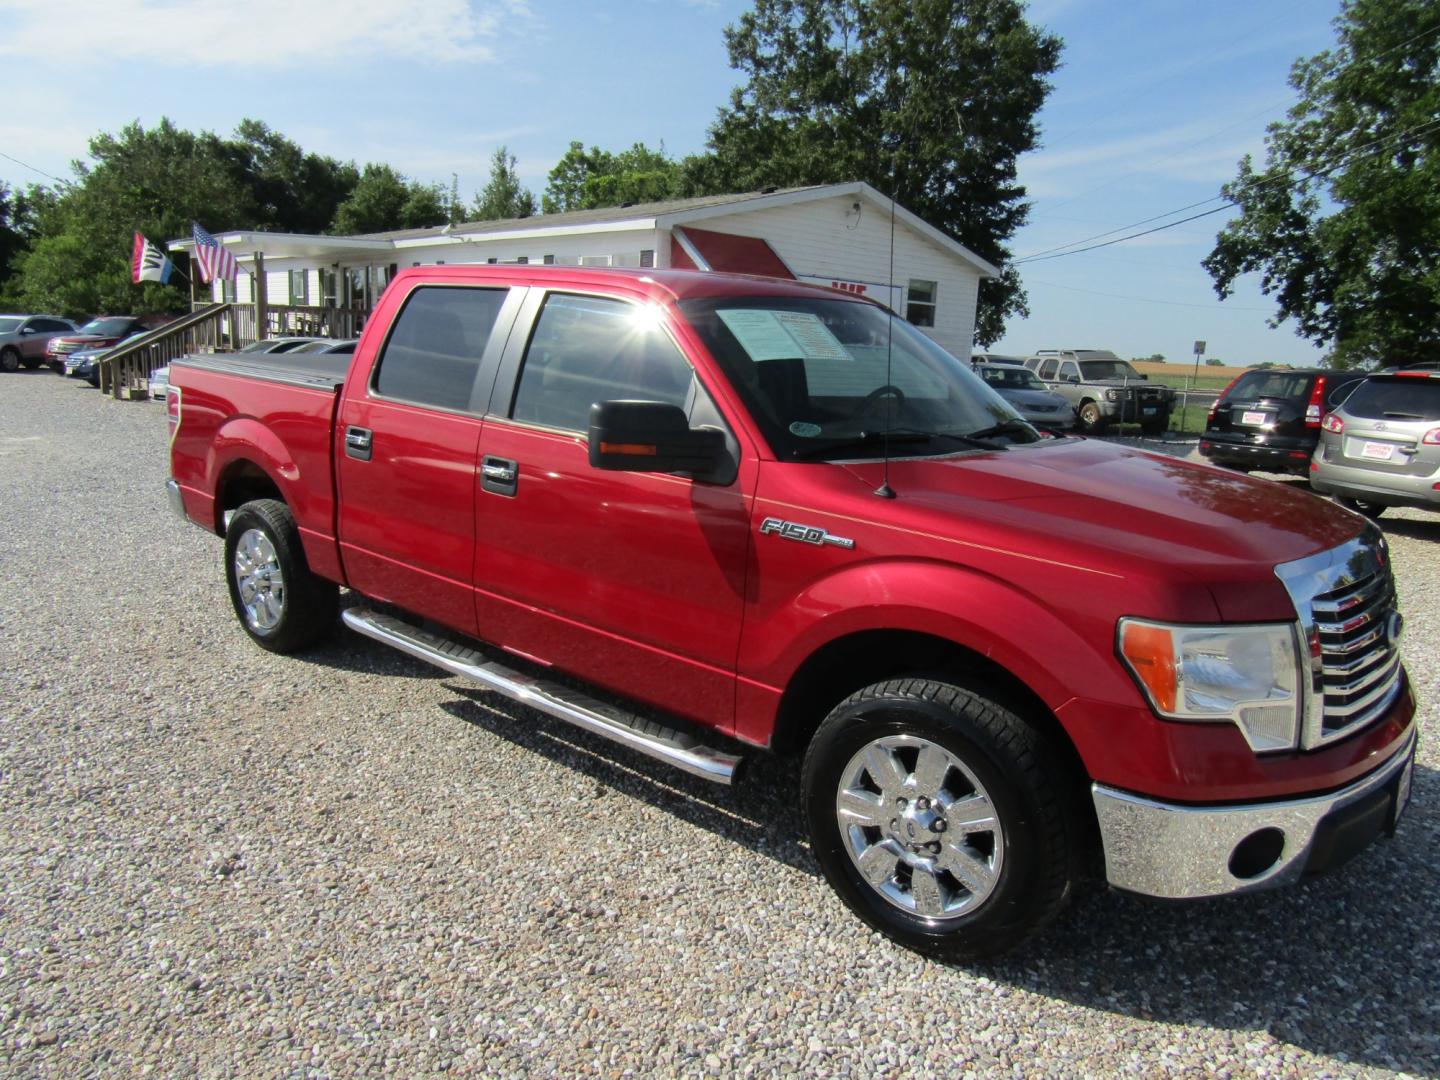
{"x": 808, "y": 534}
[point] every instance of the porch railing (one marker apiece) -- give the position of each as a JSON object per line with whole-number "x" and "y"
{"x": 127, "y": 368}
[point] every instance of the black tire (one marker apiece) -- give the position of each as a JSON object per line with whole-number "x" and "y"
{"x": 1090, "y": 419}
{"x": 280, "y": 603}
{"x": 1371, "y": 510}
{"x": 9, "y": 360}
{"x": 1021, "y": 870}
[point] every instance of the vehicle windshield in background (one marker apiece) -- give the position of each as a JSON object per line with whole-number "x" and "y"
{"x": 843, "y": 378}
{"x": 1096, "y": 370}
{"x": 9, "y": 326}
{"x": 1012, "y": 378}
{"x": 1395, "y": 397}
{"x": 1270, "y": 384}
{"x": 106, "y": 327}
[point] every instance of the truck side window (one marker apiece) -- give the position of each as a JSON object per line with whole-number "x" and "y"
{"x": 587, "y": 349}
{"x": 1047, "y": 369}
{"x": 433, "y": 353}
{"x": 1068, "y": 369}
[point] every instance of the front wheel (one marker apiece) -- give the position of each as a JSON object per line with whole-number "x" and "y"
{"x": 1371, "y": 510}
{"x": 9, "y": 360}
{"x": 1091, "y": 419}
{"x": 940, "y": 817}
{"x": 282, "y": 605}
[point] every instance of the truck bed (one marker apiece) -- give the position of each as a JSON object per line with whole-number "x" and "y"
{"x": 318, "y": 371}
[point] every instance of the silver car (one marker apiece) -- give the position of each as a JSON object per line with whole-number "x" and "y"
{"x": 1028, "y": 395}
{"x": 1381, "y": 447}
{"x": 23, "y": 338}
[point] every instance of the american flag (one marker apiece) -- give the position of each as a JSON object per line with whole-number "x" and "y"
{"x": 213, "y": 260}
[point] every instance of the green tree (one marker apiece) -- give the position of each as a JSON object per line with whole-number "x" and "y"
{"x": 589, "y": 179}
{"x": 290, "y": 190}
{"x": 1343, "y": 222}
{"x": 155, "y": 181}
{"x": 383, "y": 199}
{"x": 931, "y": 101}
{"x": 504, "y": 196}
{"x": 1214, "y": 362}
{"x": 22, "y": 216}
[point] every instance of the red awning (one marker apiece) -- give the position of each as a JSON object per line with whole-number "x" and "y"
{"x": 726, "y": 254}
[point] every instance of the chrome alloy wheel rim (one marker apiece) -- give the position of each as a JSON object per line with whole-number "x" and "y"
{"x": 259, "y": 580}
{"x": 919, "y": 827}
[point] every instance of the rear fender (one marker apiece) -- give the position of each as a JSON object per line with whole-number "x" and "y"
{"x": 244, "y": 440}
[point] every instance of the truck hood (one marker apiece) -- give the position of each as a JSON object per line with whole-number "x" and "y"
{"x": 1123, "y": 508}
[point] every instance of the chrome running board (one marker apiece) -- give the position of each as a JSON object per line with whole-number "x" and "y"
{"x": 648, "y": 737}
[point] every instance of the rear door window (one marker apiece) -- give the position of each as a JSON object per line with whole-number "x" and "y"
{"x": 587, "y": 349}
{"x": 1047, "y": 369}
{"x": 433, "y": 354}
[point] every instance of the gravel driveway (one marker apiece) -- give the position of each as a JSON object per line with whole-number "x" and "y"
{"x": 217, "y": 862}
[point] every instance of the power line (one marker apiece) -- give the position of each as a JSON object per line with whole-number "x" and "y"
{"x": 1143, "y": 299}
{"x": 1229, "y": 127}
{"x": 1382, "y": 143}
{"x": 32, "y": 168}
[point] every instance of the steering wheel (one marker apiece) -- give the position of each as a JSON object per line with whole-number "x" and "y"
{"x": 888, "y": 390}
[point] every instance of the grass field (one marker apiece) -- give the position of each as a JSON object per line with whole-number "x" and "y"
{"x": 1181, "y": 376}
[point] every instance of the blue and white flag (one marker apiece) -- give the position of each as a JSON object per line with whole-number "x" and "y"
{"x": 149, "y": 263}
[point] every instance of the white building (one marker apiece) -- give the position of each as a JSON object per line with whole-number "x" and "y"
{"x": 846, "y": 236}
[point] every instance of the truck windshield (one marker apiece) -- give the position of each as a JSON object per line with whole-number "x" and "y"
{"x": 1109, "y": 369}
{"x": 827, "y": 378}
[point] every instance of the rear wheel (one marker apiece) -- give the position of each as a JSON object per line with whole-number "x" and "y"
{"x": 939, "y": 817}
{"x": 1372, "y": 510}
{"x": 1092, "y": 420}
{"x": 9, "y": 360}
{"x": 282, "y": 605}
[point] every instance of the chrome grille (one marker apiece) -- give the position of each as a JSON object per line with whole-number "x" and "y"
{"x": 1345, "y": 600}
{"x": 1360, "y": 663}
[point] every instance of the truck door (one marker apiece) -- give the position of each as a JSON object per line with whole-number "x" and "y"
{"x": 632, "y": 580}
{"x": 405, "y": 463}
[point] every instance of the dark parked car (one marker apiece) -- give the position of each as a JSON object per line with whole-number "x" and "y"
{"x": 1270, "y": 420}
{"x": 102, "y": 331}
{"x": 23, "y": 339}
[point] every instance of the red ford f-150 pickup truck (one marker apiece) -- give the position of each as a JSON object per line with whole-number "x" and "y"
{"x": 746, "y": 513}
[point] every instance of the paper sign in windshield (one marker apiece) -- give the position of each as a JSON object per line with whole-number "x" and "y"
{"x": 781, "y": 335}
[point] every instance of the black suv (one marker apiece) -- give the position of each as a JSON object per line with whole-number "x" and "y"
{"x": 1270, "y": 420}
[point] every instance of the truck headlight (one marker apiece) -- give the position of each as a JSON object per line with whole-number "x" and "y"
{"x": 1247, "y": 675}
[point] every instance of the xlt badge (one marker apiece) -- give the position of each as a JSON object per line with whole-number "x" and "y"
{"x": 808, "y": 534}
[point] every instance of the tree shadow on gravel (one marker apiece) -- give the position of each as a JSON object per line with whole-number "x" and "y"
{"x": 1343, "y": 965}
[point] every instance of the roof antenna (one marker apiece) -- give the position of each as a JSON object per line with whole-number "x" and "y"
{"x": 885, "y": 491}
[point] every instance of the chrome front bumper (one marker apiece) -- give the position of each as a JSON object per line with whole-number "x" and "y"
{"x": 1174, "y": 851}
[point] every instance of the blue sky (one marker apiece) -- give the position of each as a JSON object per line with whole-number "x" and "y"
{"x": 1154, "y": 105}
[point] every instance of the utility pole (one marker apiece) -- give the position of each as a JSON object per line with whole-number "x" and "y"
{"x": 1195, "y": 378}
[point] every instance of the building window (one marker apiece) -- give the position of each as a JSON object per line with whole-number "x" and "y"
{"x": 595, "y": 260}
{"x": 920, "y": 306}
{"x": 647, "y": 257}
{"x": 492, "y": 260}
{"x": 227, "y": 290}
{"x": 523, "y": 260}
{"x": 299, "y": 287}
{"x": 549, "y": 260}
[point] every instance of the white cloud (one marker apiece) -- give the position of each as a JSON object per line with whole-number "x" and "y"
{"x": 267, "y": 33}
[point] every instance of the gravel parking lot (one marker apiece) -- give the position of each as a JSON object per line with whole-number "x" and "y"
{"x": 217, "y": 862}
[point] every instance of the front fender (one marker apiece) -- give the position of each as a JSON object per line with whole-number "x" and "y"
{"x": 1058, "y": 655}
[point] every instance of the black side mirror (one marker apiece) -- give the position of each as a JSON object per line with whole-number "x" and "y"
{"x": 650, "y": 436}
{"x": 1072, "y": 378}
{"x": 28, "y": 330}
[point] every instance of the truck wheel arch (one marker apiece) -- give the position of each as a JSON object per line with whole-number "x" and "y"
{"x": 240, "y": 482}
